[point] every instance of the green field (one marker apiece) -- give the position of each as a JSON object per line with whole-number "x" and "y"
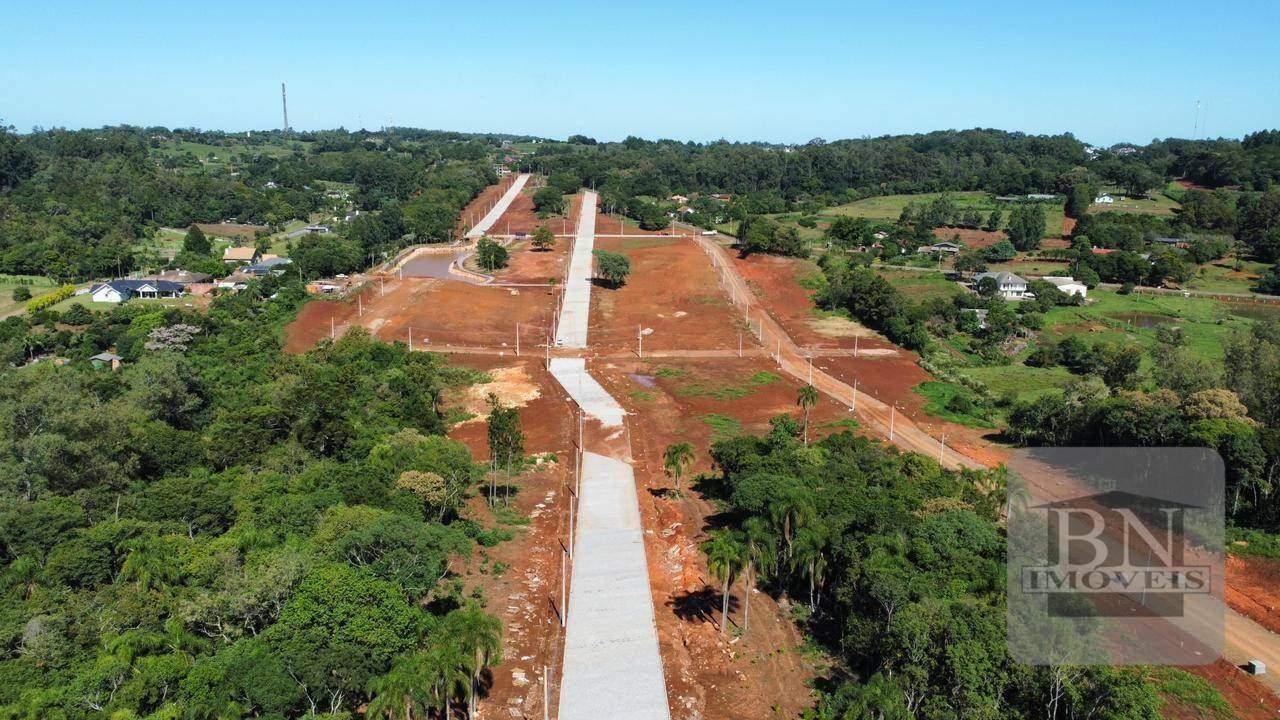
{"x": 1159, "y": 202}
{"x": 920, "y": 285}
{"x": 8, "y": 283}
{"x": 1111, "y": 317}
{"x": 1222, "y": 277}
{"x": 887, "y": 208}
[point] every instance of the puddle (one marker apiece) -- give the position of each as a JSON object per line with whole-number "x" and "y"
{"x": 647, "y": 381}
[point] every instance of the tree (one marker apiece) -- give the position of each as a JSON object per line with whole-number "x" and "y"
{"x": 994, "y": 220}
{"x": 543, "y": 239}
{"x": 806, "y": 398}
{"x": 1079, "y": 198}
{"x": 402, "y": 692}
{"x": 674, "y": 460}
{"x": 724, "y": 560}
{"x": 1026, "y": 226}
{"x": 478, "y": 634}
{"x": 761, "y": 554}
{"x": 506, "y": 440}
{"x": 490, "y": 255}
{"x": 613, "y": 267}
{"x": 548, "y": 201}
{"x": 970, "y": 262}
{"x": 1001, "y": 251}
{"x": 196, "y": 242}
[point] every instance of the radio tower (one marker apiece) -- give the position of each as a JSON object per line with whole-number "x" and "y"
{"x": 284, "y": 103}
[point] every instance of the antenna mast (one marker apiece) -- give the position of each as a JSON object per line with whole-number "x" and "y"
{"x": 284, "y": 103}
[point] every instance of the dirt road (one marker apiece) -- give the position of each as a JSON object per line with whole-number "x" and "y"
{"x": 885, "y": 418}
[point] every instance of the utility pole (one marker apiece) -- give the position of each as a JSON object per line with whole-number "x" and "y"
{"x": 942, "y": 447}
{"x": 564, "y": 568}
{"x": 893, "y": 412}
{"x": 639, "y": 341}
{"x": 332, "y": 333}
{"x": 517, "y": 339}
{"x": 854, "y": 407}
{"x": 855, "y": 346}
{"x": 811, "y": 370}
{"x": 572, "y": 500}
{"x": 284, "y": 105}
{"x": 411, "y": 339}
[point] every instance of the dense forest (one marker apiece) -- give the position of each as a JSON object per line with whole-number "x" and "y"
{"x": 220, "y": 529}
{"x": 774, "y": 178}
{"x": 898, "y": 567}
{"x": 75, "y": 205}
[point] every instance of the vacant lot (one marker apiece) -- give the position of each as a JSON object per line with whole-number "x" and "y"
{"x": 673, "y": 296}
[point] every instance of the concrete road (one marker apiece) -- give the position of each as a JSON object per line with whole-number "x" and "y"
{"x": 498, "y": 209}
{"x": 572, "y": 375}
{"x": 571, "y": 330}
{"x": 612, "y": 667}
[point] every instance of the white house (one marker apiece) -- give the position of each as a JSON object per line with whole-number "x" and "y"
{"x": 946, "y": 246}
{"x": 117, "y": 291}
{"x": 1068, "y": 285}
{"x": 1008, "y": 285}
{"x": 1103, "y": 199}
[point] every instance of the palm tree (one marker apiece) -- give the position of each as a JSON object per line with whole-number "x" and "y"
{"x": 810, "y": 558}
{"x": 674, "y": 460}
{"x": 478, "y": 634}
{"x": 724, "y": 559}
{"x": 147, "y": 564}
{"x": 806, "y": 398}
{"x": 761, "y": 555}
{"x": 402, "y": 691}
{"x": 793, "y": 509}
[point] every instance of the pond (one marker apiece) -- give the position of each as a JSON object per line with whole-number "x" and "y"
{"x": 1253, "y": 311}
{"x": 1142, "y": 320}
{"x": 432, "y": 264}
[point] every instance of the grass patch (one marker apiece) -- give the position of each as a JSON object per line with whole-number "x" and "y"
{"x": 643, "y": 396}
{"x": 667, "y": 372}
{"x": 1247, "y": 541}
{"x": 847, "y": 423}
{"x": 716, "y": 392}
{"x": 953, "y": 403}
{"x": 1191, "y": 691}
{"x": 764, "y": 377}
{"x": 722, "y": 426}
{"x": 506, "y": 515}
{"x": 922, "y": 285}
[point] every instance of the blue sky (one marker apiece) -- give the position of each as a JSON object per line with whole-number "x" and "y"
{"x": 784, "y": 72}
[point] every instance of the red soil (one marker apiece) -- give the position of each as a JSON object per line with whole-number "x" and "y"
{"x": 1253, "y": 589}
{"x": 1249, "y": 699}
{"x": 972, "y": 239}
{"x": 887, "y": 372}
{"x": 441, "y": 313}
{"x": 756, "y": 674}
{"x": 1068, "y": 226}
{"x": 224, "y": 230}
{"x": 672, "y": 291}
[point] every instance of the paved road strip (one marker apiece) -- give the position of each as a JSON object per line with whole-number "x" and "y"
{"x": 496, "y": 212}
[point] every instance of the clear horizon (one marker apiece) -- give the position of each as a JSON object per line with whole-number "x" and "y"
{"x": 741, "y": 72}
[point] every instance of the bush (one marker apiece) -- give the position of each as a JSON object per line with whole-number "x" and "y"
{"x": 52, "y": 298}
{"x": 22, "y": 293}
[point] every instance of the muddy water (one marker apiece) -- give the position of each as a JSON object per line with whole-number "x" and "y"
{"x": 1142, "y": 320}
{"x": 432, "y": 264}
